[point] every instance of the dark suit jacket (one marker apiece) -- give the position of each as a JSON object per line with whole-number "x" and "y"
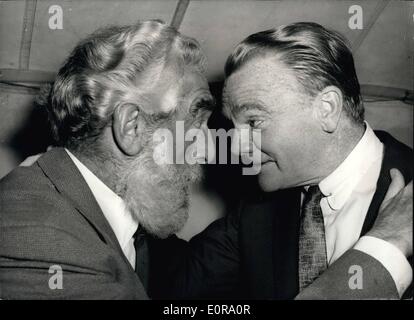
{"x": 49, "y": 216}
{"x": 254, "y": 252}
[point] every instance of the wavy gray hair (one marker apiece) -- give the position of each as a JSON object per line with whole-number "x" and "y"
{"x": 108, "y": 68}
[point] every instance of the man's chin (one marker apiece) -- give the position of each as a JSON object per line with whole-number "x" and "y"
{"x": 195, "y": 174}
{"x": 162, "y": 223}
{"x": 159, "y": 198}
{"x": 269, "y": 183}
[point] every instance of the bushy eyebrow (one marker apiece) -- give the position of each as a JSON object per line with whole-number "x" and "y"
{"x": 236, "y": 110}
{"x": 161, "y": 115}
{"x": 207, "y": 103}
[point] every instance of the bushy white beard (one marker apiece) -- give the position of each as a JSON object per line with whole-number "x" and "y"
{"x": 158, "y": 195}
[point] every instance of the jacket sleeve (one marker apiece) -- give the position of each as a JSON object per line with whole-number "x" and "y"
{"x": 205, "y": 267}
{"x": 355, "y": 275}
{"x": 209, "y": 267}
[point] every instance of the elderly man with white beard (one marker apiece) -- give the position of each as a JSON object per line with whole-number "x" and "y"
{"x": 79, "y": 211}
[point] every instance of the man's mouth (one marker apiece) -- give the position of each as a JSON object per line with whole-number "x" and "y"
{"x": 266, "y": 162}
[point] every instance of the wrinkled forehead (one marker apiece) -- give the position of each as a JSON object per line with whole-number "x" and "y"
{"x": 259, "y": 82}
{"x": 173, "y": 84}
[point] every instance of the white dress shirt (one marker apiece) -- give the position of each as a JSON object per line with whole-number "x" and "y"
{"x": 348, "y": 192}
{"x": 114, "y": 209}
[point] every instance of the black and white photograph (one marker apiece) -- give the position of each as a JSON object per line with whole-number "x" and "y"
{"x": 206, "y": 154}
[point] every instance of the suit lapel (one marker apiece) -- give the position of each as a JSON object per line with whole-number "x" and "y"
{"x": 62, "y": 172}
{"x": 396, "y": 155}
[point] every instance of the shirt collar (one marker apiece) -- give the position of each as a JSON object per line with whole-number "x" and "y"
{"x": 339, "y": 185}
{"x": 113, "y": 207}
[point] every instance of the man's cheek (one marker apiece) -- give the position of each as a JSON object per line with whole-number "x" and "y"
{"x": 252, "y": 161}
{"x": 163, "y": 151}
{"x": 199, "y": 147}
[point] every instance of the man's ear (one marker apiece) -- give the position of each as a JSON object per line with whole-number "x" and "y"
{"x": 329, "y": 108}
{"x": 127, "y": 128}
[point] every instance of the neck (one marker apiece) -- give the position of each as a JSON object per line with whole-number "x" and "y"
{"x": 337, "y": 149}
{"x": 105, "y": 168}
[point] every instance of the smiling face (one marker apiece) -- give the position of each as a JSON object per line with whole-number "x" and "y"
{"x": 265, "y": 95}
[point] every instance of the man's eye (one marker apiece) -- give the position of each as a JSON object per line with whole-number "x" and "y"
{"x": 202, "y": 106}
{"x": 255, "y": 123}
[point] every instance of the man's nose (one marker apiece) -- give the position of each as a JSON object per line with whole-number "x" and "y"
{"x": 240, "y": 142}
{"x": 235, "y": 144}
{"x": 208, "y": 115}
{"x": 207, "y": 150}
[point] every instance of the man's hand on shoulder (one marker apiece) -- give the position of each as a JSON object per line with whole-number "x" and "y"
{"x": 394, "y": 223}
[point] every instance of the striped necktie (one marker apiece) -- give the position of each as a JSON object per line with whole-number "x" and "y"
{"x": 312, "y": 244}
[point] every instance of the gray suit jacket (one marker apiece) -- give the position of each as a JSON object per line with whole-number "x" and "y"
{"x": 49, "y": 218}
